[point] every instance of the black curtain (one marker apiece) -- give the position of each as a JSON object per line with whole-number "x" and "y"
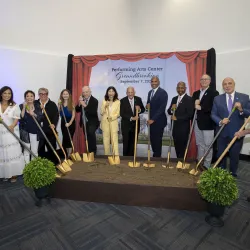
{"x": 211, "y": 67}
{"x": 69, "y": 73}
{"x": 211, "y": 70}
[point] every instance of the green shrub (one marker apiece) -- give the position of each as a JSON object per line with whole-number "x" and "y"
{"x": 38, "y": 173}
{"x": 218, "y": 186}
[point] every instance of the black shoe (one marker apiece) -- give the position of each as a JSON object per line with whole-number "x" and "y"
{"x": 234, "y": 175}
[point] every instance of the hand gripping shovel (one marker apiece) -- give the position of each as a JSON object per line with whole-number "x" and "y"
{"x": 87, "y": 157}
{"x": 75, "y": 156}
{"x": 21, "y": 142}
{"x": 184, "y": 165}
{"x": 231, "y": 143}
{"x": 148, "y": 164}
{"x": 135, "y": 164}
{"x": 195, "y": 171}
{"x": 170, "y": 142}
{"x": 114, "y": 159}
{"x": 66, "y": 161}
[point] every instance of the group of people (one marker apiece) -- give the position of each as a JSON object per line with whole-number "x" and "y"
{"x": 209, "y": 110}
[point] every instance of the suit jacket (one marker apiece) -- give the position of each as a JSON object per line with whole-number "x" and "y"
{"x": 220, "y": 111}
{"x": 126, "y": 113}
{"x": 158, "y": 105}
{"x": 204, "y": 120}
{"x": 53, "y": 114}
{"x": 114, "y": 114}
{"x": 90, "y": 112}
{"x": 183, "y": 112}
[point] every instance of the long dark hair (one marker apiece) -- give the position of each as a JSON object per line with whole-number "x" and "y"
{"x": 2, "y": 90}
{"x": 106, "y": 97}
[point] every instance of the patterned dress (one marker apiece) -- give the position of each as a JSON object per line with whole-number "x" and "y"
{"x": 11, "y": 157}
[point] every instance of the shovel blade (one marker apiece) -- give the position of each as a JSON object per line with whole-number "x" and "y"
{"x": 70, "y": 163}
{"x": 192, "y": 172}
{"x": 186, "y": 165}
{"x": 88, "y": 157}
{"x": 179, "y": 165}
{"x": 61, "y": 169}
{"x": 134, "y": 165}
{"x": 66, "y": 166}
{"x": 111, "y": 160}
{"x": 117, "y": 160}
{"x": 73, "y": 157}
{"x": 78, "y": 157}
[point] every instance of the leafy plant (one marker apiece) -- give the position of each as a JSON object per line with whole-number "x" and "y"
{"x": 218, "y": 186}
{"x": 38, "y": 173}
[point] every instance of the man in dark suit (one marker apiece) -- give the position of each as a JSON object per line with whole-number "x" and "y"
{"x": 128, "y": 107}
{"x": 88, "y": 105}
{"x": 157, "y": 101}
{"x": 53, "y": 114}
{"x": 204, "y": 125}
{"x": 222, "y": 106}
{"x": 184, "y": 109}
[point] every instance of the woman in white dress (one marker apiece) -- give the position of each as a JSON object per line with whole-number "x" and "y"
{"x": 11, "y": 157}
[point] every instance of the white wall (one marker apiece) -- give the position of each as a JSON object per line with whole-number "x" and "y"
{"x": 46, "y": 31}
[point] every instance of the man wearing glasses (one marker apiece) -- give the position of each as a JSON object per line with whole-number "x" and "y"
{"x": 204, "y": 125}
{"x": 157, "y": 102}
{"x": 52, "y": 111}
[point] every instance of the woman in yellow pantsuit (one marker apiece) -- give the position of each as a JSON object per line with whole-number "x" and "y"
{"x": 110, "y": 111}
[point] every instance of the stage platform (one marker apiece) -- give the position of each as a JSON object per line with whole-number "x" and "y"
{"x": 155, "y": 187}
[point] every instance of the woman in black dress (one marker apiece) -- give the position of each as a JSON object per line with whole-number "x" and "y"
{"x": 66, "y": 103}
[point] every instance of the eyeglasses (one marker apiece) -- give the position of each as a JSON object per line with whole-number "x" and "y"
{"x": 43, "y": 94}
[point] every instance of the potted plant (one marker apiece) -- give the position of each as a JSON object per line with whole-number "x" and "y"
{"x": 39, "y": 174}
{"x": 218, "y": 187}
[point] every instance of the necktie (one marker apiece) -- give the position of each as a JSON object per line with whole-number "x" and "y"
{"x": 152, "y": 94}
{"x": 179, "y": 100}
{"x": 230, "y": 103}
{"x": 131, "y": 104}
{"x": 86, "y": 101}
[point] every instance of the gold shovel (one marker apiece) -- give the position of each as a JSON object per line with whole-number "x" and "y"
{"x": 67, "y": 161}
{"x": 231, "y": 143}
{"x": 75, "y": 156}
{"x": 63, "y": 166}
{"x": 148, "y": 164}
{"x": 21, "y": 142}
{"x": 170, "y": 142}
{"x": 184, "y": 165}
{"x": 135, "y": 164}
{"x": 195, "y": 171}
{"x": 87, "y": 157}
{"x": 114, "y": 159}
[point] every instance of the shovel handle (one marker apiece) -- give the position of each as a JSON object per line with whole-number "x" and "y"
{"x": 171, "y": 134}
{"x": 85, "y": 129}
{"x": 64, "y": 117}
{"x": 231, "y": 143}
{"x": 47, "y": 140}
{"x": 111, "y": 136}
{"x": 54, "y": 132}
{"x": 20, "y": 141}
{"x": 215, "y": 138}
{"x": 136, "y": 136}
{"x": 189, "y": 137}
